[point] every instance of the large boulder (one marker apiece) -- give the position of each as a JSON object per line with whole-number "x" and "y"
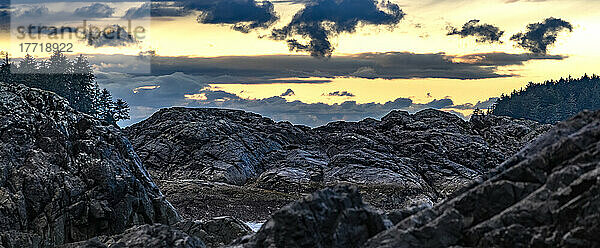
{"x": 333, "y": 217}
{"x": 547, "y": 195}
{"x": 66, "y": 177}
{"x": 401, "y": 160}
{"x": 214, "y": 144}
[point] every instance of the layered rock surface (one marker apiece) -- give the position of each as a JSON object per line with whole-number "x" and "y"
{"x": 547, "y": 195}
{"x": 397, "y": 161}
{"x": 66, "y": 177}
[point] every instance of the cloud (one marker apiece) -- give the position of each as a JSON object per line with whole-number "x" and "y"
{"x": 539, "y": 36}
{"x": 157, "y": 9}
{"x": 503, "y": 59}
{"x": 390, "y": 65}
{"x": 288, "y": 92}
{"x": 4, "y": 19}
{"x": 151, "y": 91}
{"x": 321, "y": 19}
{"x": 35, "y": 11}
{"x": 483, "y": 32}
{"x": 244, "y": 14}
{"x": 487, "y": 104}
{"x": 112, "y": 36}
{"x": 441, "y": 103}
{"x": 341, "y": 93}
{"x": 147, "y": 94}
{"x": 97, "y": 10}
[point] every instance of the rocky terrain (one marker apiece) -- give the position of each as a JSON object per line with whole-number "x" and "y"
{"x": 228, "y": 159}
{"x": 68, "y": 180}
{"x": 66, "y": 177}
{"x": 548, "y": 195}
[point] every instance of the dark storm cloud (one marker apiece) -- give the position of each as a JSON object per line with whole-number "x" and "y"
{"x": 244, "y": 14}
{"x": 97, "y": 10}
{"x": 288, "y": 92}
{"x": 539, "y": 36}
{"x": 483, "y": 32}
{"x": 341, "y": 93}
{"x": 321, "y": 19}
{"x": 157, "y": 9}
{"x": 391, "y": 65}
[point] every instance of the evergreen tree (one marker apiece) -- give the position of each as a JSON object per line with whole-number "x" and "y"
{"x": 106, "y": 106}
{"x": 83, "y": 83}
{"x": 73, "y": 80}
{"x": 551, "y": 101}
{"x": 121, "y": 110}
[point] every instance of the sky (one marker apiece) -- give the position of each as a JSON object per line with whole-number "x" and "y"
{"x": 315, "y": 61}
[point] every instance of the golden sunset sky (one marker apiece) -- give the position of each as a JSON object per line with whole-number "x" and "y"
{"x": 422, "y": 31}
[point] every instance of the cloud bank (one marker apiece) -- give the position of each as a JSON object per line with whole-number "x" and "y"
{"x": 390, "y": 65}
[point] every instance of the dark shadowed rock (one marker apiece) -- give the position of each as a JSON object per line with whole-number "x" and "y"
{"x": 216, "y": 232}
{"x": 399, "y": 161}
{"x": 65, "y": 177}
{"x": 157, "y": 235}
{"x": 547, "y": 195}
{"x": 333, "y": 217}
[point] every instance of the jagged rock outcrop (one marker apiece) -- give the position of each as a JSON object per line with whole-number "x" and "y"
{"x": 217, "y": 145}
{"x": 547, "y": 195}
{"x": 66, "y": 177}
{"x": 156, "y": 235}
{"x": 333, "y": 217}
{"x": 398, "y": 161}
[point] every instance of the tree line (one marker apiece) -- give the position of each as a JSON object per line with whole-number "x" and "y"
{"x": 71, "y": 79}
{"x": 551, "y": 101}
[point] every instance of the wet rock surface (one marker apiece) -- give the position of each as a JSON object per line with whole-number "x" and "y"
{"x": 547, "y": 195}
{"x": 333, "y": 217}
{"x": 201, "y": 200}
{"x": 398, "y": 161}
{"x": 65, "y": 177}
